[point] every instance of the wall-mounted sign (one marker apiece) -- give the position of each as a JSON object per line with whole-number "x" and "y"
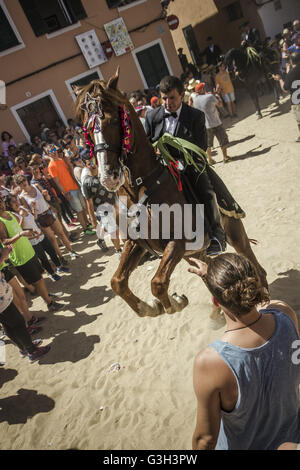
{"x": 173, "y": 21}
{"x": 91, "y": 48}
{"x": 118, "y": 36}
{"x": 107, "y": 49}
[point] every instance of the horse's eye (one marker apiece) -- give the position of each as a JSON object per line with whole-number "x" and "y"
{"x": 114, "y": 121}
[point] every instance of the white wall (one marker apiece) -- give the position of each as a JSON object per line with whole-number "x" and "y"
{"x": 274, "y": 20}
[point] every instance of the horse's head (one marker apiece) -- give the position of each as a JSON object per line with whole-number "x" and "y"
{"x": 103, "y": 112}
{"x": 235, "y": 58}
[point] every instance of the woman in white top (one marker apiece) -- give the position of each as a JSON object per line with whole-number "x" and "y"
{"x": 35, "y": 196}
{"x": 41, "y": 244}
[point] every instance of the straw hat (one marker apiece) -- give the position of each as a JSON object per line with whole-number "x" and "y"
{"x": 192, "y": 84}
{"x": 204, "y": 67}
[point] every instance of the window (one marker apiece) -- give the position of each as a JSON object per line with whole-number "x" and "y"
{"x": 121, "y": 3}
{"x": 152, "y": 63}
{"x": 234, "y": 11}
{"x": 50, "y": 16}
{"x": 10, "y": 39}
{"x": 41, "y": 108}
{"x": 277, "y": 5}
{"x": 192, "y": 44}
{"x": 83, "y": 79}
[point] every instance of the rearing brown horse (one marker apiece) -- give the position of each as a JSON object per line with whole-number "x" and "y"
{"x": 128, "y": 165}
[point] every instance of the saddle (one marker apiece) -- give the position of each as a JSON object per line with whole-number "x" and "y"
{"x": 191, "y": 155}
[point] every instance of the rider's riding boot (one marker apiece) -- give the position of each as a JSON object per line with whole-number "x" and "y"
{"x": 218, "y": 240}
{"x": 207, "y": 196}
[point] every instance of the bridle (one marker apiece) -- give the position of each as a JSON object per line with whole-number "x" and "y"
{"x": 95, "y": 113}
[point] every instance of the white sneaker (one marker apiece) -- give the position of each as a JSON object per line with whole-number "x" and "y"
{"x": 74, "y": 255}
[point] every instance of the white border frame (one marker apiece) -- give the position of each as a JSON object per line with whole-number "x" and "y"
{"x": 79, "y": 76}
{"x": 125, "y": 7}
{"x": 147, "y": 46}
{"x": 63, "y": 30}
{"x": 32, "y": 100}
{"x": 14, "y": 28}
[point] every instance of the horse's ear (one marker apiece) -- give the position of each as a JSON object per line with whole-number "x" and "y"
{"x": 113, "y": 81}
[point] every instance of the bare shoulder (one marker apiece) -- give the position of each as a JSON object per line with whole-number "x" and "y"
{"x": 209, "y": 366}
{"x": 285, "y": 308}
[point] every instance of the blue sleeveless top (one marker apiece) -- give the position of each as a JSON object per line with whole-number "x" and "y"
{"x": 267, "y": 411}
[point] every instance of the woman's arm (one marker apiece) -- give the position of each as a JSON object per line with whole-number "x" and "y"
{"x": 10, "y": 241}
{"x": 207, "y": 392}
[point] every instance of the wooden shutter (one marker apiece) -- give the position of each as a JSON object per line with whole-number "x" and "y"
{"x": 8, "y": 38}
{"x": 34, "y": 17}
{"x": 75, "y": 9}
{"x": 153, "y": 65}
{"x": 113, "y": 3}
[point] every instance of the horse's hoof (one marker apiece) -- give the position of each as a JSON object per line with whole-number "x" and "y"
{"x": 178, "y": 303}
{"x": 217, "y": 319}
{"x": 151, "y": 309}
{"x": 259, "y": 116}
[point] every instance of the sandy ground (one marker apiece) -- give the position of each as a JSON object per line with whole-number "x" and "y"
{"x": 71, "y": 398}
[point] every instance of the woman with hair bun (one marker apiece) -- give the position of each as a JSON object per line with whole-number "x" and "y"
{"x": 246, "y": 383}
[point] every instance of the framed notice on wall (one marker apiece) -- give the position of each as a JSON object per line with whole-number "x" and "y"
{"x": 118, "y": 36}
{"x": 91, "y": 48}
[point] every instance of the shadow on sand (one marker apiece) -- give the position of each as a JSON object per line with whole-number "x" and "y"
{"x": 17, "y": 409}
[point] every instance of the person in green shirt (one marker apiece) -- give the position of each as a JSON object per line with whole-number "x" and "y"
{"x": 23, "y": 256}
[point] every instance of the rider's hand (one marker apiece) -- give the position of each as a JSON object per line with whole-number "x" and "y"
{"x": 276, "y": 77}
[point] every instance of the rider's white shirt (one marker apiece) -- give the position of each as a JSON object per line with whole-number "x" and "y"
{"x": 171, "y": 122}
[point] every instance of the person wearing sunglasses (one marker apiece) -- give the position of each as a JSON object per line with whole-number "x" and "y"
{"x": 97, "y": 198}
{"x": 12, "y": 320}
{"x": 61, "y": 171}
{"x": 23, "y": 256}
{"x": 38, "y": 200}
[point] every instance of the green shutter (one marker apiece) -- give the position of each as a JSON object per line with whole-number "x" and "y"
{"x": 8, "y": 38}
{"x": 113, "y": 3}
{"x": 36, "y": 21}
{"x": 75, "y": 9}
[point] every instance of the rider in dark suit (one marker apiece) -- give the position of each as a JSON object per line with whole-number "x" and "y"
{"x": 177, "y": 118}
{"x": 212, "y": 52}
{"x": 250, "y": 36}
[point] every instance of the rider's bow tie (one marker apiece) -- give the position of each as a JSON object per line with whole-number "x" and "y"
{"x": 168, "y": 115}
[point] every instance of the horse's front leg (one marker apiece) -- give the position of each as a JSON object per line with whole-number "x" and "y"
{"x": 173, "y": 253}
{"x": 131, "y": 255}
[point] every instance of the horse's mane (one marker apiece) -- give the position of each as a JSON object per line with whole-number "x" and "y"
{"x": 234, "y": 54}
{"x": 109, "y": 97}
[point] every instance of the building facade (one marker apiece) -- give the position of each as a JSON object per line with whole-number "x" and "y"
{"x": 48, "y": 46}
{"x": 221, "y": 19}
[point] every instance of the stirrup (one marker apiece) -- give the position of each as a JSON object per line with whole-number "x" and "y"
{"x": 217, "y": 249}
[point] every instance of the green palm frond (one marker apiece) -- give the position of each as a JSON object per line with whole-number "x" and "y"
{"x": 252, "y": 55}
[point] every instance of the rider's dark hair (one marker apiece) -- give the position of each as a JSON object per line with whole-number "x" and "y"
{"x": 170, "y": 83}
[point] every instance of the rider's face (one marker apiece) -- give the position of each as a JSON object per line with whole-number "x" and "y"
{"x": 172, "y": 100}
